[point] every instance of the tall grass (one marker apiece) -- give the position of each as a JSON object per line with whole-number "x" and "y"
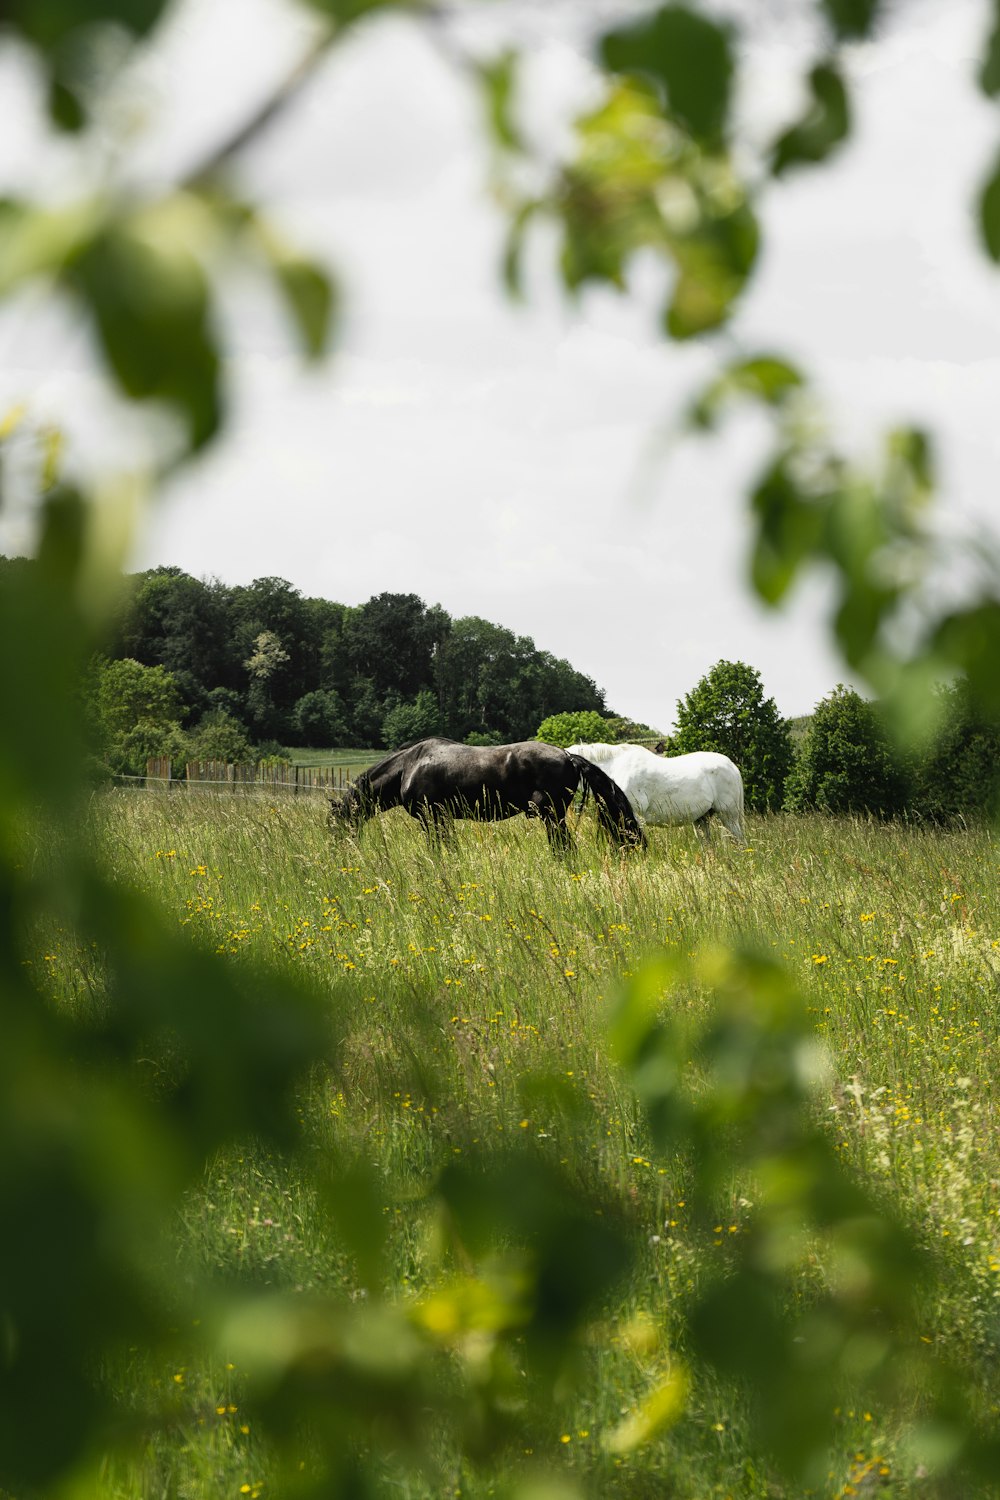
{"x": 473, "y": 987}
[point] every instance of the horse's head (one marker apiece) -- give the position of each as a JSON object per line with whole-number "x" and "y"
{"x": 348, "y": 809}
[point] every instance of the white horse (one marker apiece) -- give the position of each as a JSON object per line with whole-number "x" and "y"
{"x": 666, "y": 789}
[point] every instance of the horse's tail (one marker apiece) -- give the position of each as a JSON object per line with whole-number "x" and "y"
{"x": 740, "y": 823}
{"x": 614, "y": 810}
{"x": 730, "y": 806}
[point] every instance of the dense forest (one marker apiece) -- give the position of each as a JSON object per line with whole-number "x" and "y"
{"x": 304, "y": 671}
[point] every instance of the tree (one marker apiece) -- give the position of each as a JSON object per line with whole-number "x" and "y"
{"x": 490, "y": 680}
{"x": 727, "y": 711}
{"x": 219, "y": 736}
{"x": 319, "y": 719}
{"x": 392, "y": 641}
{"x": 326, "y": 632}
{"x": 582, "y": 728}
{"x": 135, "y": 712}
{"x": 271, "y": 608}
{"x": 467, "y": 660}
{"x": 130, "y": 754}
{"x": 265, "y": 667}
{"x": 958, "y": 773}
{"x": 845, "y": 763}
{"x": 367, "y": 713}
{"x": 267, "y": 657}
{"x": 172, "y": 620}
{"x": 411, "y": 721}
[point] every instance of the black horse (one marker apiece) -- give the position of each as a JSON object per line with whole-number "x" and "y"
{"x": 437, "y": 780}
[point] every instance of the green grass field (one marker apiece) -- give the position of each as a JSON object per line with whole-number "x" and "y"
{"x": 474, "y": 989}
{"x": 353, "y": 760}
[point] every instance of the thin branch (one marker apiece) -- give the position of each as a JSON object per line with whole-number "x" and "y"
{"x": 284, "y": 94}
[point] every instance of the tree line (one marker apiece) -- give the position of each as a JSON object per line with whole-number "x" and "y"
{"x": 842, "y": 759}
{"x": 210, "y": 670}
{"x": 198, "y": 669}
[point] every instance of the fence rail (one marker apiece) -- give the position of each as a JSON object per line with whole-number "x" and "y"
{"x": 212, "y": 775}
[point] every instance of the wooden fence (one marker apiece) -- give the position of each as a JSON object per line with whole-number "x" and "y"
{"x": 220, "y": 775}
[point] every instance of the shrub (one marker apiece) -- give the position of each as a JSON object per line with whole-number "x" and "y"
{"x": 130, "y": 752}
{"x": 411, "y": 721}
{"x": 219, "y": 736}
{"x": 319, "y": 719}
{"x": 845, "y": 763}
{"x": 583, "y": 727}
{"x": 618, "y": 729}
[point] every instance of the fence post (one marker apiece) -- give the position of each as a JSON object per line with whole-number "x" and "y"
{"x": 158, "y": 769}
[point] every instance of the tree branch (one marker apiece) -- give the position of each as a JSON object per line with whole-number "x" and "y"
{"x": 270, "y": 108}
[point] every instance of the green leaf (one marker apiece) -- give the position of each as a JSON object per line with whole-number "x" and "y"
{"x": 689, "y": 56}
{"x": 309, "y": 292}
{"x": 65, "y": 106}
{"x": 151, "y": 307}
{"x": 346, "y": 12}
{"x": 763, "y": 377}
{"x": 969, "y": 639}
{"x": 48, "y": 23}
{"x": 851, "y": 19}
{"x": 768, "y": 378}
{"x": 699, "y": 304}
{"x": 714, "y": 264}
{"x": 660, "y": 1409}
{"x": 989, "y": 214}
{"x": 908, "y": 479}
{"x": 822, "y": 128}
{"x": 989, "y": 73}
{"x": 38, "y": 241}
{"x": 514, "y": 247}
{"x": 498, "y": 79}
{"x": 44, "y": 741}
{"x": 608, "y": 196}
{"x": 311, "y": 298}
{"x": 789, "y": 529}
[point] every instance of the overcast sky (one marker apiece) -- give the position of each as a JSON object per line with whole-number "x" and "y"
{"x": 508, "y": 461}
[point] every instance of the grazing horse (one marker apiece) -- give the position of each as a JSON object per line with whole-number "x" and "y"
{"x": 674, "y": 788}
{"x": 437, "y": 780}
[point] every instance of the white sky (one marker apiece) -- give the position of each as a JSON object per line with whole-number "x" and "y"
{"x": 508, "y": 461}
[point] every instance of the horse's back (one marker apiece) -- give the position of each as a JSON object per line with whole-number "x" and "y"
{"x": 678, "y": 788}
{"x": 507, "y": 776}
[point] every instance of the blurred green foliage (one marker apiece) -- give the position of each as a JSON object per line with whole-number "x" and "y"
{"x": 108, "y": 1116}
{"x": 742, "y": 1092}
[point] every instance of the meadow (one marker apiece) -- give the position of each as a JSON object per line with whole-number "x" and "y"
{"x": 474, "y": 990}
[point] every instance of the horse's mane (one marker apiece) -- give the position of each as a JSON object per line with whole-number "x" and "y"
{"x": 387, "y": 760}
{"x": 596, "y": 753}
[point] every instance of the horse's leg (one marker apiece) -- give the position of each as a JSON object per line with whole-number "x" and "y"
{"x": 731, "y": 820}
{"x": 430, "y": 817}
{"x": 557, "y": 829}
{"x": 729, "y": 817}
{"x": 703, "y": 828}
{"x": 444, "y": 823}
{"x": 560, "y": 838}
{"x": 735, "y": 824}
{"x": 554, "y": 817}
